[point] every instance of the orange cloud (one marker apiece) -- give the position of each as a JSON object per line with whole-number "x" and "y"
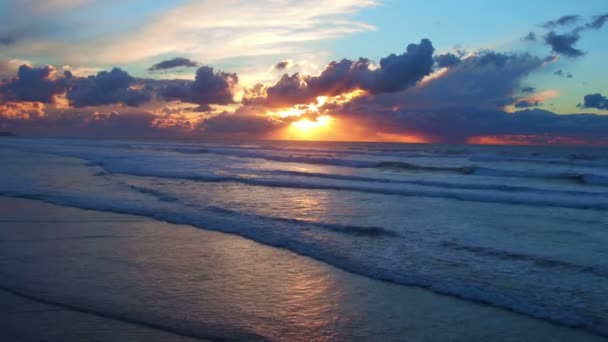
{"x": 542, "y": 96}
{"x": 22, "y": 110}
{"x": 530, "y": 139}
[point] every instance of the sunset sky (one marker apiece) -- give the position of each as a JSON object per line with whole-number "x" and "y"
{"x": 367, "y": 70}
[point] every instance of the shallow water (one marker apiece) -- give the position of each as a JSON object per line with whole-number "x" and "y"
{"x": 521, "y": 228}
{"x": 71, "y": 275}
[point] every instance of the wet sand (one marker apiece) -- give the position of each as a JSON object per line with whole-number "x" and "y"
{"x": 70, "y": 275}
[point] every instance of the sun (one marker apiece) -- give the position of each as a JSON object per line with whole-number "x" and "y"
{"x": 305, "y": 125}
{"x": 310, "y": 129}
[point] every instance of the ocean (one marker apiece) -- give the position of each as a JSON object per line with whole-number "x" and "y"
{"x": 516, "y": 227}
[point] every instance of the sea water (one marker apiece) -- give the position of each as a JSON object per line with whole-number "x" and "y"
{"x": 522, "y": 228}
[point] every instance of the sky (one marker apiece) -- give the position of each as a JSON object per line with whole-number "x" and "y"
{"x": 509, "y": 72}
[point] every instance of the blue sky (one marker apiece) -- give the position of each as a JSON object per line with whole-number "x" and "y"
{"x": 248, "y": 38}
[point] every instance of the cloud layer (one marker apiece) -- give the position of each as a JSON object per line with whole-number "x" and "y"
{"x": 454, "y": 97}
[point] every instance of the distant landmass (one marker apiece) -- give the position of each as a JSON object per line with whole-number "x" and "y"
{"x": 6, "y": 134}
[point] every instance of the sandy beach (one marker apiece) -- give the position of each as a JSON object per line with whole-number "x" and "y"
{"x": 72, "y": 275}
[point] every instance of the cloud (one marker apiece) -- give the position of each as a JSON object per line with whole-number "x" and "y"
{"x": 597, "y": 22}
{"x": 460, "y": 125}
{"x": 536, "y": 99}
{"x": 226, "y": 125}
{"x": 564, "y": 43}
{"x": 33, "y": 85}
{"x": 528, "y": 89}
{"x": 561, "y": 73}
{"x": 21, "y": 110}
{"x": 467, "y": 101}
{"x": 6, "y": 40}
{"x": 562, "y": 21}
{"x": 486, "y": 79}
{"x": 530, "y": 37}
{"x": 107, "y": 87}
{"x": 176, "y": 62}
{"x": 283, "y": 65}
{"x": 28, "y": 23}
{"x": 84, "y": 122}
{"x": 398, "y": 72}
{"x": 447, "y": 60}
{"x": 42, "y": 84}
{"x": 9, "y": 68}
{"x": 525, "y": 104}
{"x": 597, "y": 101}
{"x": 461, "y": 104}
{"x": 210, "y": 30}
{"x": 208, "y": 88}
{"x": 395, "y": 73}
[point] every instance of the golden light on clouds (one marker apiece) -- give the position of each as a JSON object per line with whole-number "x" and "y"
{"x": 317, "y": 122}
{"x": 433, "y": 76}
{"x": 534, "y": 99}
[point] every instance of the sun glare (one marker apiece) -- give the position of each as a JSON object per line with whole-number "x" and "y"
{"x": 307, "y": 125}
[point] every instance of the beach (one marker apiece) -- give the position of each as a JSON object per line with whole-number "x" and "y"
{"x": 70, "y": 274}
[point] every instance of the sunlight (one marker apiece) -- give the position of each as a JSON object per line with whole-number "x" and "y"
{"x": 305, "y": 125}
{"x": 289, "y": 112}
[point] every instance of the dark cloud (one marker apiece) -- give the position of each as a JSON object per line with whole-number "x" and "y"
{"x": 208, "y": 88}
{"x": 458, "y": 125}
{"x": 530, "y": 37}
{"x": 7, "y": 40}
{"x": 564, "y": 43}
{"x": 562, "y": 21}
{"x": 528, "y": 89}
{"x": 115, "y": 87}
{"x": 487, "y": 80}
{"x": 526, "y": 104}
{"x": 464, "y": 102}
{"x": 33, "y": 84}
{"x": 228, "y": 124}
{"x": 289, "y": 90}
{"x": 176, "y": 62}
{"x": 282, "y": 65}
{"x": 398, "y": 72}
{"x": 597, "y": 22}
{"x": 561, "y": 73}
{"x": 82, "y": 122}
{"x": 395, "y": 73}
{"x": 597, "y": 101}
{"x": 447, "y": 60}
{"x": 107, "y": 87}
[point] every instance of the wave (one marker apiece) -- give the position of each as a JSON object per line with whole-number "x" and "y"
{"x": 537, "y": 260}
{"x": 395, "y": 165}
{"x": 549, "y": 161}
{"x": 468, "y": 196}
{"x": 498, "y": 198}
{"x": 578, "y": 178}
{"x": 369, "y": 231}
{"x": 439, "y": 184}
{"x": 287, "y": 236}
{"x": 573, "y": 177}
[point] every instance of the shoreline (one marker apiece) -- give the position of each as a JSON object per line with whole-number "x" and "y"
{"x": 38, "y": 312}
{"x": 99, "y": 261}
